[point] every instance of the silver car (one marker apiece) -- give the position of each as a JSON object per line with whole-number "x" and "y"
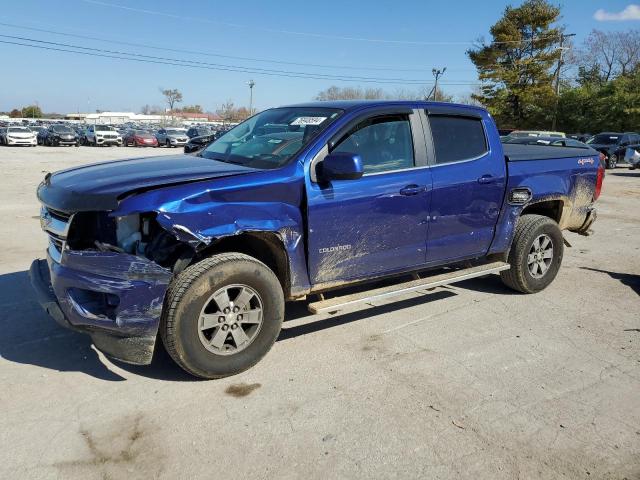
{"x": 172, "y": 137}
{"x": 632, "y": 157}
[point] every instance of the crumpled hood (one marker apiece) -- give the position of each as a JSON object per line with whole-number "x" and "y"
{"x": 99, "y": 186}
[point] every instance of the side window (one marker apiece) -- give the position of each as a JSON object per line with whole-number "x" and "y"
{"x": 457, "y": 138}
{"x": 384, "y": 143}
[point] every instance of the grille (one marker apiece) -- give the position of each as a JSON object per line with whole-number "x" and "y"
{"x": 56, "y": 224}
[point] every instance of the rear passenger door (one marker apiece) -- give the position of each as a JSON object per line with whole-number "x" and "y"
{"x": 469, "y": 181}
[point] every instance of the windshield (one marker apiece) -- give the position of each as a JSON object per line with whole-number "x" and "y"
{"x": 104, "y": 128}
{"x": 19, "y": 130}
{"x": 604, "y": 139}
{"x": 61, "y": 129}
{"x": 269, "y": 139}
{"x": 175, "y": 132}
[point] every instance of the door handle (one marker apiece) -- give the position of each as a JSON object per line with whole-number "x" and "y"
{"x": 412, "y": 189}
{"x": 486, "y": 179}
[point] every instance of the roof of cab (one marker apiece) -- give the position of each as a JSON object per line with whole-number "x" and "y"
{"x": 357, "y": 104}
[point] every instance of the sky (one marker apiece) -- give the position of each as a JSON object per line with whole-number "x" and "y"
{"x": 397, "y": 43}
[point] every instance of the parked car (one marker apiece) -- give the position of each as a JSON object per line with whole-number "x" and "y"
{"x": 199, "y": 131}
{"x": 581, "y": 137}
{"x": 613, "y": 145}
{"x": 196, "y": 144}
{"x": 172, "y": 137}
{"x": 632, "y": 156}
{"x": 202, "y": 251}
{"x": 36, "y": 129}
{"x": 101, "y": 135}
{"x": 15, "y": 136}
{"x": 139, "y": 138}
{"x": 536, "y": 133}
{"x": 548, "y": 141}
{"x": 59, "y": 135}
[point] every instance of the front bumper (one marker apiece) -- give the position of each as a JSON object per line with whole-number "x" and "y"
{"x": 21, "y": 141}
{"x": 109, "y": 141}
{"x": 116, "y": 298}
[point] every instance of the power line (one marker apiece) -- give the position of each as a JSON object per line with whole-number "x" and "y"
{"x": 223, "y": 66}
{"x": 298, "y": 33}
{"x": 200, "y": 65}
{"x": 211, "y": 54}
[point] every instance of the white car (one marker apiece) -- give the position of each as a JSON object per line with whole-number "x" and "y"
{"x": 632, "y": 157}
{"x": 98, "y": 135}
{"x": 18, "y": 136}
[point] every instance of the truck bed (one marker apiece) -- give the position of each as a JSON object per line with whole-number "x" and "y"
{"x": 522, "y": 153}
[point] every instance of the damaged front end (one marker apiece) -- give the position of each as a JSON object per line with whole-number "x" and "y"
{"x": 107, "y": 276}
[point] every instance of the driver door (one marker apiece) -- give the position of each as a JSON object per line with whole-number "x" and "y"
{"x": 376, "y": 224}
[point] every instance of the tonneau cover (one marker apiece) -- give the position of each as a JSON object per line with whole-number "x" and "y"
{"x": 515, "y": 152}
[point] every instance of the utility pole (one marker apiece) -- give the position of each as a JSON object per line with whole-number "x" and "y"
{"x": 562, "y": 48}
{"x": 437, "y": 73}
{"x": 251, "y": 84}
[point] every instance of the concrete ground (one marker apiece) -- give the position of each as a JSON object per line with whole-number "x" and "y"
{"x": 471, "y": 381}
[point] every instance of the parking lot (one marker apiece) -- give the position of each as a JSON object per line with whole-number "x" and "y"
{"x": 466, "y": 381}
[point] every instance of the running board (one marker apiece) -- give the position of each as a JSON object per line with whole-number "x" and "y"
{"x": 338, "y": 303}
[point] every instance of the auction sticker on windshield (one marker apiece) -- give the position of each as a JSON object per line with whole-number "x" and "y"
{"x": 308, "y": 120}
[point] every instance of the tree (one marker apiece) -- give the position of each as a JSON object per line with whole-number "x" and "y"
{"x": 172, "y": 96}
{"x": 226, "y": 111}
{"x": 350, "y": 93}
{"x": 145, "y": 109}
{"x": 516, "y": 67}
{"x": 31, "y": 111}
{"x": 611, "y": 53}
{"x": 15, "y": 113}
{"x": 191, "y": 109}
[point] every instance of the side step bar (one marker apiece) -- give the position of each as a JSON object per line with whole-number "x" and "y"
{"x": 338, "y": 303}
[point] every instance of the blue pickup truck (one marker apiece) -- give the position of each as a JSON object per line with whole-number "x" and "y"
{"x": 202, "y": 251}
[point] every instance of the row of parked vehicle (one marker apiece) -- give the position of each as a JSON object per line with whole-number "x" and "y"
{"x": 614, "y": 147}
{"x": 107, "y": 135}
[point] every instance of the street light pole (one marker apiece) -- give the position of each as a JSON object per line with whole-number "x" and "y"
{"x": 562, "y": 48}
{"x": 437, "y": 73}
{"x": 251, "y": 84}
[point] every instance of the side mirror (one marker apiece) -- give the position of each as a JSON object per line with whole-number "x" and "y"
{"x": 340, "y": 166}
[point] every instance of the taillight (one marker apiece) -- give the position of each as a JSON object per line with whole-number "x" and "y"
{"x": 599, "y": 180}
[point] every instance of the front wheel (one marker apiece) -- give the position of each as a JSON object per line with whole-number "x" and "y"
{"x": 222, "y": 315}
{"x": 535, "y": 255}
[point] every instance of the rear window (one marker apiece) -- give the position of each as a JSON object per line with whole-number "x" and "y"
{"x": 457, "y": 138}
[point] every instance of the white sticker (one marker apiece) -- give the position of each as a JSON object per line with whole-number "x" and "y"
{"x": 308, "y": 120}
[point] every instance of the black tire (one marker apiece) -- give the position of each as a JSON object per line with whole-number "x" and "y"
{"x": 519, "y": 276}
{"x": 191, "y": 290}
{"x": 612, "y": 162}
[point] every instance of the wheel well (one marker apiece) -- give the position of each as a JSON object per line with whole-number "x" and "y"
{"x": 263, "y": 246}
{"x": 549, "y": 208}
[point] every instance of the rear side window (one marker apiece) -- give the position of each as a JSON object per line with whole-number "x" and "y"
{"x": 457, "y": 139}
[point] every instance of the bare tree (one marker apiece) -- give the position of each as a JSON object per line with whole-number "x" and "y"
{"x": 613, "y": 53}
{"x": 629, "y": 54}
{"x": 145, "y": 109}
{"x": 226, "y": 111}
{"x": 171, "y": 96}
{"x": 350, "y": 93}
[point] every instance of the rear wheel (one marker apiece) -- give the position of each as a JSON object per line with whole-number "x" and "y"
{"x": 535, "y": 255}
{"x": 613, "y": 161}
{"x": 222, "y": 315}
